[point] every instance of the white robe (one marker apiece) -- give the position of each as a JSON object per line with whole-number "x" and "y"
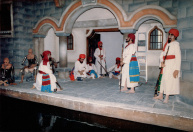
{"x": 46, "y": 69}
{"x": 79, "y": 67}
{"x": 169, "y": 84}
{"x": 114, "y": 68}
{"x": 98, "y": 66}
{"x": 89, "y": 68}
{"x": 127, "y": 54}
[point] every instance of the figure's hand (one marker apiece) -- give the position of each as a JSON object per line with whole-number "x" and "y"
{"x": 121, "y": 59}
{"x": 162, "y": 64}
{"x": 122, "y": 63}
{"x": 175, "y": 74}
{"x": 81, "y": 72}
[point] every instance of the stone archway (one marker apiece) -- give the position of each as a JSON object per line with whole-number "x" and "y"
{"x": 126, "y": 24}
{"x": 69, "y": 16}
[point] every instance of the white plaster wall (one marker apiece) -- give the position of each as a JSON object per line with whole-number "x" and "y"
{"x": 95, "y": 14}
{"x": 51, "y": 43}
{"x": 79, "y": 38}
{"x": 112, "y": 42}
{"x": 152, "y": 55}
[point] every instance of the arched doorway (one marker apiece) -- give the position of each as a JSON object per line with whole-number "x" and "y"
{"x": 126, "y": 24}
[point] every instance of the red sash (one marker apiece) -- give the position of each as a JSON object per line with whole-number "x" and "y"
{"x": 169, "y": 57}
{"x": 41, "y": 72}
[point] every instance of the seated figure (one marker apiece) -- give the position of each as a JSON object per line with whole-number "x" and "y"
{"x": 7, "y": 73}
{"x": 115, "y": 70}
{"x": 46, "y": 81}
{"x": 32, "y": 63}
{"x": 91, "y": 69}
{"x": 80, "y": 68}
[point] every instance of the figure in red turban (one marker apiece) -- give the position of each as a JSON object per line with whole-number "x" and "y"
{"x": 115, "y": 69}
{"x": 100, "y": 56}
{"x": 170, "y": 63}
{"x": 130, "y": 70}
{"x": 80, "y": 68}
{"x": 45, "y": 81}
{"x": 91, "y": 69}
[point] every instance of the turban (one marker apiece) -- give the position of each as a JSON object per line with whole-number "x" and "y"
{"x": 82, "y": 56}
{"x": 45, "y": 57}
{"x": 100, "y": 42}
{"x": 118, "y": 59}
{"x": 132, "y": 36}
{"x": 118, "y": 63}
{"x": 175, "y": 32}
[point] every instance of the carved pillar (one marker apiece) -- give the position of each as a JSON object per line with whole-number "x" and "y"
{"x": 63, "y": 51}
{"x": 63, "y": 71}
{"x": 41, "y": 47}
{"x": 38, "y": 46}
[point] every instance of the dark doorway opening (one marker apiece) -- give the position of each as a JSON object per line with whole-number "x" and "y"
{"x": 92, "y": 44}
{"x": 94, "y": 38}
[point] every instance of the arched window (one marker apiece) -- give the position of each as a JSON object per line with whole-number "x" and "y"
{"x": 70, "y": 45}
{"x": 155, "y": 39}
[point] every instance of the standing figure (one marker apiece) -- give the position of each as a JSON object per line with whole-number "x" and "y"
{"x": 32, "y": 63}
{"x": 45, "y": 81}
{"x": 100, "y": 59}
{"x": 7, "y": 73}
{"x": 115, "y": 70}
{"x": 91, "y": 69}
{"x": 130, "y": 70}
{"x": 80, "y": 68}
{"x": 170, "y": 83}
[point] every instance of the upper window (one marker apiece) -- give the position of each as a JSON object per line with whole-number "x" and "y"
{"x": 70, "y": 45}
{"x": 6, "y": 19}
{"x": 155, "y": 39}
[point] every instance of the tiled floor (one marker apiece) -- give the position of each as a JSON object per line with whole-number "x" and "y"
{"x": 107, "y": 90}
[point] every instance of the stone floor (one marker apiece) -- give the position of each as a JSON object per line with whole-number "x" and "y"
{"x": 107, "y": 90}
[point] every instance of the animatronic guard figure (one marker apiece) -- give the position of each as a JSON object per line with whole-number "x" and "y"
{"x": 7, "y": 73}
{"x": 32, "y": 63}
{"x": 170, "y": 83}
{"x": 46, "y": 81}
{"x": 130, "y": 70}
{"x": 100, "y": 56}
{"x": 115, "y": 70}
{"x": 80, "y": 68}
{"x": 91, "y": 69}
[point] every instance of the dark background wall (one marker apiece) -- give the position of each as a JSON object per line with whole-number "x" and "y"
{"x": 27, "y": 13}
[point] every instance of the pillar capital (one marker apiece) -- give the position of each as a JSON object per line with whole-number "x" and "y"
{"x": 39, "y": 36}
{"x": 62, "y": 34}
{"x": 128, "y": 31}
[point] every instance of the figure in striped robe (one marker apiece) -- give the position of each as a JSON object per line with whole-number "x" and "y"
{"x": 45, "y": 81}
{"x": 130, "y": 69}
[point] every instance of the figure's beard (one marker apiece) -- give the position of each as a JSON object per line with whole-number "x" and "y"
{"x": 81, "y": 62}
{"x": 169, "y": 40}
{"x": 127, "y": 40}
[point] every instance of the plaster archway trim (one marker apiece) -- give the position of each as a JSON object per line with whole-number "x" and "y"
{"x": 44, "y": 22}
{"x": 124, "y": 21}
